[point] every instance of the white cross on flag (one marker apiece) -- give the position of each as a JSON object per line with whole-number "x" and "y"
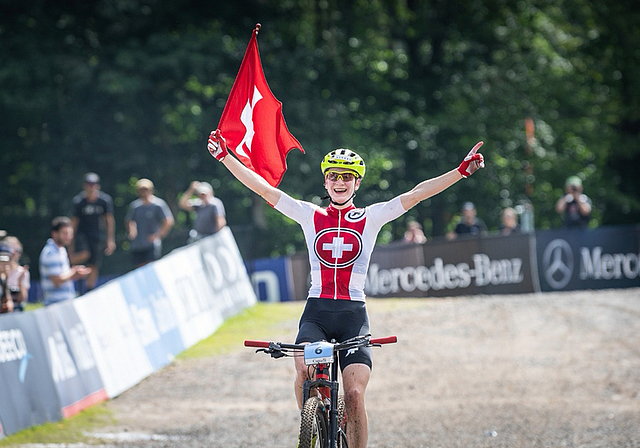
{"x": 252, "y": 122}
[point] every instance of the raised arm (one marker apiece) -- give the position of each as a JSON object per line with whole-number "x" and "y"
{"x": 430, "y": 187}
{"x": 218, "y": 148}
{"x": 183, "y": 203}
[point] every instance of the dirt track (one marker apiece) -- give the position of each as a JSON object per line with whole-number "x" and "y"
{"x": 546, "y": 370}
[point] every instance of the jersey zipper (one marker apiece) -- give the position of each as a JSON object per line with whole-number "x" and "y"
{"x": 335, "y": 261}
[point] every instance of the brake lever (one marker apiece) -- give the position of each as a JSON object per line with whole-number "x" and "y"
{"x": 274, "y": 353}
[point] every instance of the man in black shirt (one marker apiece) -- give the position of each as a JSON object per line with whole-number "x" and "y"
{"x": 470, "y": 224}
{"x": 92, "y": 216}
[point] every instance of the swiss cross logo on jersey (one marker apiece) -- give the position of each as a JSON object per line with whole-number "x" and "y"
{"x": 338, "y": 247}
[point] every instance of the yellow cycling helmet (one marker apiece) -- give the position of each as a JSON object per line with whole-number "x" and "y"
{"x": 344, "y": 158}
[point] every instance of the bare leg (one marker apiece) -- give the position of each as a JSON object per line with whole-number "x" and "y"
{"x": 301, "y": 375}
{"x": 355, "y": 378}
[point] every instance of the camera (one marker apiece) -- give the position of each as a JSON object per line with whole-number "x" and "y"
{"x": 5, "y": 258}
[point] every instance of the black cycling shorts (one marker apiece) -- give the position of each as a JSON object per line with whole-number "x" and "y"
{"x": 327, "y": 319}
{"x": 95, "y": 248}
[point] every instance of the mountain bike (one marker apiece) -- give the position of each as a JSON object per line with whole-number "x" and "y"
{"x": 323, "y": 421}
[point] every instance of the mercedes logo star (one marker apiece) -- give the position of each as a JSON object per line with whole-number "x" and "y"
{"x": 558, "y": 263}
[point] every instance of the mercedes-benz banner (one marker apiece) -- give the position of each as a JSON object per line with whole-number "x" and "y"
{"x": 607, "y": 257}
{"x": 490, "y": 265}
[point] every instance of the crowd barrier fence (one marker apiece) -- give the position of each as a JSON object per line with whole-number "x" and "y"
{"x": 58, "y": 360}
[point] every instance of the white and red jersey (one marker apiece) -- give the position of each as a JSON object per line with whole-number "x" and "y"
{"x": 340, "y": 242}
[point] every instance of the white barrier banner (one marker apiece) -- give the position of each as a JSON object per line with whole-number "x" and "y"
{"x": 118, "y": 350}
{"x": 205, "y": 282}
{"x": 182, "y": 277}
{"x": 227, "y": 273}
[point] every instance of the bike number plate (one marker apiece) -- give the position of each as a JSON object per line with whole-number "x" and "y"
{"x": 318, "y": 353}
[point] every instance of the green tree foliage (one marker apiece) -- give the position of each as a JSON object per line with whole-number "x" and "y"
{"x": 131, "y": 88}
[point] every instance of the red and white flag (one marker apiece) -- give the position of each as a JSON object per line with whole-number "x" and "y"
{"x": 252, "y": 122}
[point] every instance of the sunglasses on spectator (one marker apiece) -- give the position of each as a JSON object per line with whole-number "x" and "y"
{"x": 333, "y": 176}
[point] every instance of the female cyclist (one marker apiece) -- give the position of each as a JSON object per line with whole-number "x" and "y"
{"x": 340, "y": 239}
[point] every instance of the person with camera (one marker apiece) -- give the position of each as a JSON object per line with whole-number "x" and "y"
{"x": 574, "y": 205}
{"x": 209, "y": 209}
{"x": 19, "y": 278}
{"x": 6, "y": 301}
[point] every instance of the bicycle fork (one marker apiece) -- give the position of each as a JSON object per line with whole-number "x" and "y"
{"x": 327, "y": 389}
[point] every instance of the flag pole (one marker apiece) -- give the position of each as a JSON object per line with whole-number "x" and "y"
{"x": 257, "y": 28}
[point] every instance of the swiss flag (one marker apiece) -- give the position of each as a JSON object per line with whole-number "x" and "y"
{"x": 252, "y": 122}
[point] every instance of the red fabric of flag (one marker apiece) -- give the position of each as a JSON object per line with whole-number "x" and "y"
{"x": 252, "y": 122}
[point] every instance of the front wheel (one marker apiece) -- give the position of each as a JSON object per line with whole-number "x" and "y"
{"x": 314, "y": 426}
{"x": 342, "y": 423}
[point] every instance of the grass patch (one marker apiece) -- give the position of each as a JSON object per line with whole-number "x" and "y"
{"x": 70, "y": 430}
{"x": 261, "y": 321}
{"x": 28, "y": 306}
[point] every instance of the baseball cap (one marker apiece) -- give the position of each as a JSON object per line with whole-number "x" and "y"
{"x": 91, "y": 178}
{"x": 144, "y": 183}
{"x": 204, "y": 187}
{"x": 468, "y": 206}
{"x": 574, "y": 181}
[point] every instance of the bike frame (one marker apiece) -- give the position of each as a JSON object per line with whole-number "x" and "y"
{"x": 328, "y": 386}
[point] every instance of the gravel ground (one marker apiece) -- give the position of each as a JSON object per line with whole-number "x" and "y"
{"x": 544, "y": 370}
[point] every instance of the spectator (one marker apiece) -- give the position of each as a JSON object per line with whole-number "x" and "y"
{"x": 19, "y": 280}
{"x": 574, "y": 206}
{"x": 509, "y": 220}
{"x": 210, "y": 216}
{"x": 92, "y": 218}
{"x": 148, "y": 221}
{"x": 414, "y": 233}
{"x": 6, "y": 302}
{"x": 57, "y": 274}
{"x": 470, "y": 224}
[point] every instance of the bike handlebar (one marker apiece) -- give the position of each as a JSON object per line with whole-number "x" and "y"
{"x": 385, "y": 340}
{"x": 268, "y": 344}
{"x": 261, "y": 344}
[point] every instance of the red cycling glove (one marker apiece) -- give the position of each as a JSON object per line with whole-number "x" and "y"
{"x": 467, "y": 168}
{"x": 217, "y": 145}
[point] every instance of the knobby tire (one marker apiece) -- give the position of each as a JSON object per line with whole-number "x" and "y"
{"x": 342, "y": 423}
{"x": 313, "y": 421}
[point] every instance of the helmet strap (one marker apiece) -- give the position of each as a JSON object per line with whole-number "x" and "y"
{"x": 339, "y": 204}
